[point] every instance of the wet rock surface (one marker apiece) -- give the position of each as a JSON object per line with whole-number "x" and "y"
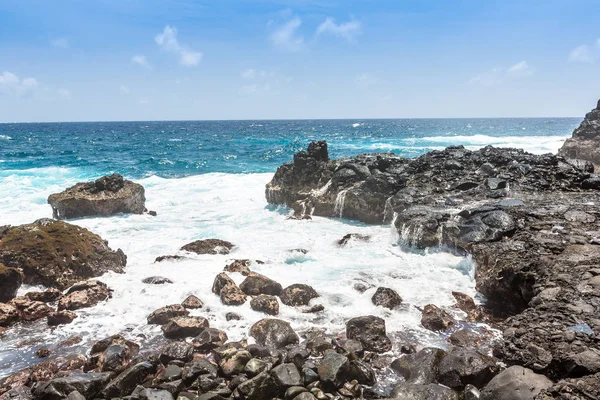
{"x": 585, "y": 143}
{"x": 105, "y": 196}
{"x": 57, "y": 254}
{"x": 530, "y": 222}
{"x": 209, "y": 246}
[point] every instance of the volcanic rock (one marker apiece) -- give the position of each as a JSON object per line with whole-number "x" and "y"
{"x": 84, "y": 294}
{"x": 108, "y": 195}
{"x": 209, "y": 246}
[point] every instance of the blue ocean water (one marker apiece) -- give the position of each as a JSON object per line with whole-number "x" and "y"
{"x": 176, "y": 149}
{"x": 207, "y": 179}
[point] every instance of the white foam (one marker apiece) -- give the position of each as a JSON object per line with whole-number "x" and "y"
{"x": 532, "y": 144}
{"x": 5, "y": 137}
{"x": 233, "y": 207}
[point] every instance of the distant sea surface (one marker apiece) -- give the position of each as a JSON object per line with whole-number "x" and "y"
{"x": 207, "y": 180}
{"x": 176, "y": 149}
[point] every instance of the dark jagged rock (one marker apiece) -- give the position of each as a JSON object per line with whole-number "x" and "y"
{"x": 180, "y": 351}
{"x": 209, "y": 339}
{"x": 42, "y": 372}
{"x": 432, "y": 391}
{"x": 585, "y": 143}
{"x": 334, "y": 369}
{"x": 61, "y": 318}
{"x": 464, "y": 302}
{"x": 30, "y": 310}
{"x": 127, "y": 380}
{"x": 84, "y": 294}
{"x": 47, "y": 296}
{"x": 273, "y": 332}
{"x": 419, "y": 368}
{"x": 10, "y": 281}
{"x": 209, "y": 246}
{"x": 182, "y": 327}
{"x": 387, "y": 298}
{"x": 192, "y": 302}
{"x": 436, "y": 319}
{"x": 265, "y": 303}
{"x": 228, "y": 291}
{"x": 8, "y": 314}
{"x": 256, "y": 284}
{"x": 156, "y": 280}
{"x": 463, "y": 366}
{"x": 87, "y": 384}
{"x": 370, "y": 331}
{"x": 164, "y": 314}
{"x": 111, "y": 354}
{"x": 298, "y": 295}
{"x": 108, "y": 195}
{"x": 167, "y": 258}
{"x": 515, "y": 383}
{"x": 57, "y": 254}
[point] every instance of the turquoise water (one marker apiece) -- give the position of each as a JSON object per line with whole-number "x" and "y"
{"x": 207, "y": 179}
{"x": 176, "y": 149}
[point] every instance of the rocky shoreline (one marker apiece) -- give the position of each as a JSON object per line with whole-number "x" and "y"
{"x": 531, "y": 225}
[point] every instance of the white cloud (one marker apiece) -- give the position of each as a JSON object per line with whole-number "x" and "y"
{"x": 13, "y": 85}
{"x": 144, "y": 100}
{"x": 141, "y": 61}
{"x": 61, "y": 43}
{"x": 581, "y": 54}
{"x": 64, "y": 93}
{"x": 347, "y": 30}
{"x": 167, "y": 40}
{"x": 286, "y": 37}
{"x": 124, "y": 90}
{"x": 249, "y": 74}
{"x": 520, "y": 70}
{"x": 262, "y": 82}
{"x": 365, "y": 81}
{"x": 498, "y": 76}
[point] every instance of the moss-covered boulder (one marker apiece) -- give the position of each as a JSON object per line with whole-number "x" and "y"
{"x": 10, "y": 281}
{"x": 57, "y": 254}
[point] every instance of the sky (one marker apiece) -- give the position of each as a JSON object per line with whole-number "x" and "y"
{"x": 115, "y": 60}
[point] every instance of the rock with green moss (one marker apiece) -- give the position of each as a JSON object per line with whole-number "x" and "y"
{"x": 10, "y": 281}
{"x": 108, "y": 195}
{"x": 57, "y": 254}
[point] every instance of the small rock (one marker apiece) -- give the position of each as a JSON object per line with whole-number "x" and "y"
{"x": 265, "y": 303}
{"x": 297, "y": 295}
{"x": 273, "y": 332}
{"x": 84, "y": 294}
{"x": 256, "y": 284}
{"x": 209, "y": 339}
{"x": 192, "y": 303}
{"x": 156, "y": 280}
{"x": 182, "y": 327}
{"x": 370, "y": 331}
{"x": 436, "y": 319}
{"x": 209, "y": 246}
{"x": 464, "y": 302}
{"x": 56, "y": 318}
{"x": 165, "y": 314}
{"x": 387, "y": 298}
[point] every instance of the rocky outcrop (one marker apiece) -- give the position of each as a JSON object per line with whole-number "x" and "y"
{"x": 83, "y": 295}
{"x": 585, "y": 143}
{"x": 530, "y": 222}
{"x": 10, "y": 282}
{"x": 57, "y": 254}
{"x": 209, "y": 246}
{"x": 108, "y": 195}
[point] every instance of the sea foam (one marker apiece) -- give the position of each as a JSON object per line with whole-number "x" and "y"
{"x": 232, "y": 207}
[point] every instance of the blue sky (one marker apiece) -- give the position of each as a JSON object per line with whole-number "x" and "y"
{"x": 90, "y": 60}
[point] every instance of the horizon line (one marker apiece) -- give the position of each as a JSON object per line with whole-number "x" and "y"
{"x": 273, "y": 120}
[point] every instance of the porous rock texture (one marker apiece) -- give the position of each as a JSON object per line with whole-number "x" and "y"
{"x": 57, "y": 254}
{"x": 530, "y": 222}
{"x": 108, "y": 195}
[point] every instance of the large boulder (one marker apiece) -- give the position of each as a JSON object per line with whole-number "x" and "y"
{"x": 273, "y": 332}
{"x": 585, "y": 143}
{"x": 419, "y": 368}
{"x": 8, "y": 314}
{"x": 57, "y": 254}
{"x": 164, "y": 314}
{"x": 370, "y": 332}
{"x": 108, "y": 195}
{"x": 87, "y": 384}
{"x": 265, "y": 303}
{"x": 436, "y": 319}
{"x": 182, "y": 327}
{"x": 387, "y": 298}
{"x": 10, "y": 282}
{"x": 30, "y": 310}
{"x": 463, "y": 366}
{"x": 432, "y": 391}
{"x": 515, "y": 383}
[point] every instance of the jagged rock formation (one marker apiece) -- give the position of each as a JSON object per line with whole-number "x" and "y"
{"x": 530, "y": 222}
{"x": 585, "y": 143}
{"x": 57, "y": 254}
{"x": 108, "y": 195}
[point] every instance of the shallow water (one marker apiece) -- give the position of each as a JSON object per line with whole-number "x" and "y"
{"x": 233, "y": 207}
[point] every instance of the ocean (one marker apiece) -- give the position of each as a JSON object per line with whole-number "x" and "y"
{"x": 207, "y": 179}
